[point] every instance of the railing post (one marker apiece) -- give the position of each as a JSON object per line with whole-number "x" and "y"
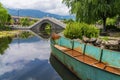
{"x": 72, "y": 44}
{"x": 101, "y": 55}
{"x": 84, "y": 48}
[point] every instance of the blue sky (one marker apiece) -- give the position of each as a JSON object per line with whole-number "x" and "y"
{"x": 51, "y": 6}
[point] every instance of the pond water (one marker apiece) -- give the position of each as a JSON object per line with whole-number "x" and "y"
{"x": 27, "y": 58}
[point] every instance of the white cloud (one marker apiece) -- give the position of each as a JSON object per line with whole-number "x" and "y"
{"x": 16, "y": 60}
{"x": 51, "y": 6}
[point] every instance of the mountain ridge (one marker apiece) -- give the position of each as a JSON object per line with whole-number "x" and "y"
{"x": 36, "y": 14}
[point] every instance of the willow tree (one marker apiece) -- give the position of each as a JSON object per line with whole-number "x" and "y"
{"x": 3, "y": 15}
{"x": 92, "y": 10}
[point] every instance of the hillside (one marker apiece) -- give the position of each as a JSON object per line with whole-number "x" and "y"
{"x": 36, "y": 14}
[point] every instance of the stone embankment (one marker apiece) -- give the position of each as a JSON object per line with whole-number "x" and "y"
{"x": 111, "y": 43}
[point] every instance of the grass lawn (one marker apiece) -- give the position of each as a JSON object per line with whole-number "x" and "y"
{"x": 9, "y": 33}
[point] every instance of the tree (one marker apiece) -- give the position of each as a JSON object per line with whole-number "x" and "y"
{"x": 68, "y": 20}
{"x": 12, "y": 21}
{"x": 25, "y": 21}
{"x": 9, "y": 18}
{"x": 91, "y": 11}
{"x": 3, "y": 15}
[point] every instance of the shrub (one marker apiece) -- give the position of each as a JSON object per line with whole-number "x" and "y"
{"x": 7, "y": 28}
{"x": 73, "y": 31}
{"x": 77, "y": 30}
{"x": 111, "y": 21}
{"x": 111, "y": 24}
{"x": 100, "y": 22}
{"x": 91, "y": 31}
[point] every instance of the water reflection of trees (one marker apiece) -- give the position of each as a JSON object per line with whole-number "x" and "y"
{"x": 25, "y": 35}
{"x": 4, "y": 44}
{"x": 5, "y": 41}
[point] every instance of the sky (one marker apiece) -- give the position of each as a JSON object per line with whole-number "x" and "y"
{"x": 51, "y": 6}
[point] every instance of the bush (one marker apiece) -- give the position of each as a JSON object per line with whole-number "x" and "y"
{"x": 26, "y": 21}
{"x": 73, "y": 31}
{"x": 112, "y": 28}
{"x": 111, "y": 21}
{"x": 7, "y": 28}
{"x": 66, "y": 21}
{"x": 77, "y": 30}
{"x": 91, "y": 31}
{"x": 100, "y": 22}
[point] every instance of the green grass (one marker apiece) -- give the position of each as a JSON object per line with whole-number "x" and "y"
{"x": 8, "y": 33}
{"x": 105, "y": 38}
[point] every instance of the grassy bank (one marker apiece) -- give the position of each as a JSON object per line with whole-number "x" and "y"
{"x": 9, "y": 33}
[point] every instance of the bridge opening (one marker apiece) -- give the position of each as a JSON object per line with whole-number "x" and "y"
{"x": 46, "y": 28}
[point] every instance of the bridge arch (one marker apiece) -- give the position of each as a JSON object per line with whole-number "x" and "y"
{"x": 54, "y": 23}
{"x": 44, "y": 24}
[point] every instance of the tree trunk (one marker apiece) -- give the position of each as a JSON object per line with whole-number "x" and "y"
{"x": 104, "y": 24}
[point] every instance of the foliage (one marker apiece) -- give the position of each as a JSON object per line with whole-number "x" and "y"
{"x": 8, "y": 33}
{"x": 91, "y": 11}
{"x": 48, "y": 28}
{"x": 77, "y": 30}
{"x": 105, "y": 38}
{"x": 68, "y": 20}
{"x": 90, "y": 31}
{"x": 31, "y": 22}
{"x": 7, "y": 28}
{"x": 4, "y": 18}
{"x": 100, "y": 22}
{"x": 25, "y": 35}
{"x": 12, "y": 21}
{"x": 26, "y": 21}
{"x": 35, "y": 20}
{"x": 113, "y": 28}
{"x": 3, "y": 15}
{"x": 9, "y": 18}
{"x": 73, "y": 31}
{"x": 111, "y": 21}
{"x": 4, "y": 44}
{"x": 111, "y": 24}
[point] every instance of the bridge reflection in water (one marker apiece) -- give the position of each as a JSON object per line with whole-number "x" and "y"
{"x": 65, "y": 73}
{"x": 46, "y": 26}
{"x": 56, "y": 26}
{"x": 44, "y": 34}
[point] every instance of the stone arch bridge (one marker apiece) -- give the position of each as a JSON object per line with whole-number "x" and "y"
{"x": 54, "y": 23}
{"x": 40, "y": 25}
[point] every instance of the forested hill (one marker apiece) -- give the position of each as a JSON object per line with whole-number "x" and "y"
{"x": 36, "y": 14}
